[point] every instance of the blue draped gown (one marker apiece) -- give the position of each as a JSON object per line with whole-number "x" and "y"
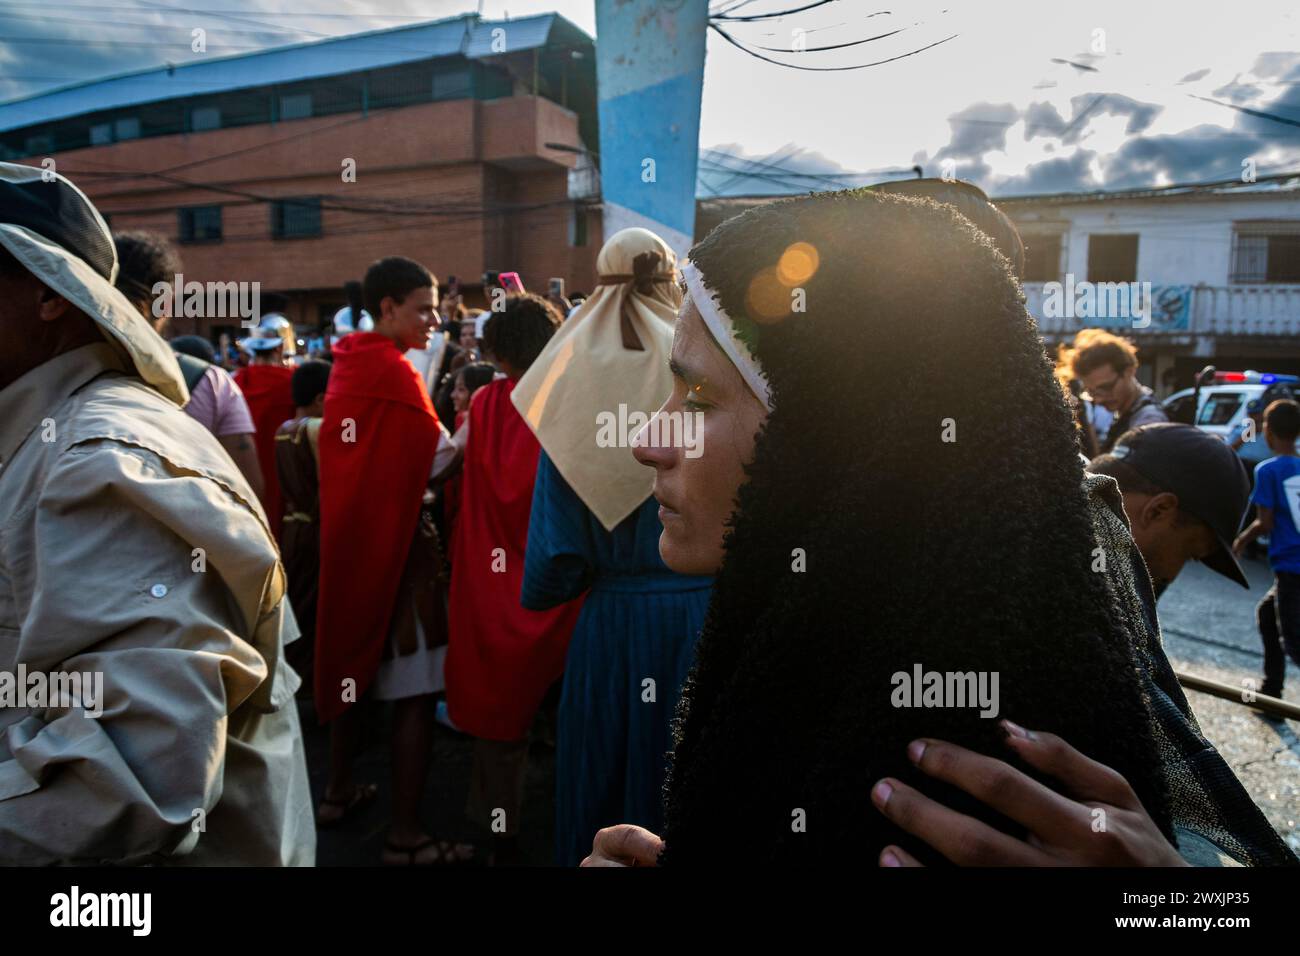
{"x": 639, "y": 623}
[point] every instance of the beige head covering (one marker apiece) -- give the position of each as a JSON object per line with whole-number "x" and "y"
{"x": 75, "y": 280}
{"x": 587, "y": 371}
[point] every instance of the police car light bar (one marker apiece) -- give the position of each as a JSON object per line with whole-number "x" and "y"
{"x": 1254, "y": 378}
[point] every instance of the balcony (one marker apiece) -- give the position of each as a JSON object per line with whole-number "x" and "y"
{"x": 1256, "y": 311}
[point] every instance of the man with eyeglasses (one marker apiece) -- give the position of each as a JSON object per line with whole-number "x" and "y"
{"x": 1107, "y": 365}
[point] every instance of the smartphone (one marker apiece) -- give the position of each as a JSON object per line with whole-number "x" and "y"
{"x": 511, "y": 282}
{"x": 557, "y": 287}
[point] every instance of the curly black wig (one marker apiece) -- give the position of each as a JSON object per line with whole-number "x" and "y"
{"x": 518, "y": 333}
{"x": 973, "y": 553}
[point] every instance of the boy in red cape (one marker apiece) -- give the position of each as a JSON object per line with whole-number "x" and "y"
{"x": 265, "y": 382}
{"x": 380, "y": 623}
{"x": 501, "y": 658}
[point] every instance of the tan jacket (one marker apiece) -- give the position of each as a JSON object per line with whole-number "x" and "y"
{"x": 131, "y": 546}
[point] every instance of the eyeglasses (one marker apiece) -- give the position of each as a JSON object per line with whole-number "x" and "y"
{"x": 1108, "y": 388}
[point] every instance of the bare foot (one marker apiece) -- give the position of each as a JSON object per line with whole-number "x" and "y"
{"x": 335, "y": 808}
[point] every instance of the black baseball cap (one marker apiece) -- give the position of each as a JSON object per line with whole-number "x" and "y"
{"x": 1207, "y": 476}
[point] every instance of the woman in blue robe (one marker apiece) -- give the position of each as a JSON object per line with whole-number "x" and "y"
{"x": 594, "y": 528}
{"x": 628, "y": 658}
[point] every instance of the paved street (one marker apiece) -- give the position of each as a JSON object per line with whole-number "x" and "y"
{"x": 1209, "y": 629}
{"x": 359, "y": 842}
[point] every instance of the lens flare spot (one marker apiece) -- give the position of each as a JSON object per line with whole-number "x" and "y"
{"x": 798, "y": 264}
{"x": 767, "y": 299}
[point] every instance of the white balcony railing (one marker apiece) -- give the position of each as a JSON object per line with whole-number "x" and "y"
{"x": 1247, "y": 310}
{"x": 1236, "y": 310}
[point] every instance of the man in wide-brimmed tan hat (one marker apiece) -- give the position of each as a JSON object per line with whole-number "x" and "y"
{"x": 133, "y": 554}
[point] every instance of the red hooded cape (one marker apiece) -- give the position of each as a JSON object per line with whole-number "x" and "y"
{"x": 377, "y": 443}
{"x": 270, "y": 401}
{"x": 501, "y": 658}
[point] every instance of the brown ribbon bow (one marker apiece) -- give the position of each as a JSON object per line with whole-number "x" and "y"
{"x": 645, "y": 273}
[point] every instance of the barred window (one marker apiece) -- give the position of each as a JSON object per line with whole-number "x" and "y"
{"x": 297, "y": 218}
{"x": 204, "y": 118}
{"x": 199, "y": 223}
{"x": 128, "y": 127}
{"x": 295, "y": 106}
{"x": 452, "y": 83}
{"x": 401, "y": 85}
{"x": 1266, "y": 252}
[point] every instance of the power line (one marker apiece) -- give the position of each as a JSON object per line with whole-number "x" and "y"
{"x": 740, "y": 174}
{"x": 824, "y": 69}
{"x": 401, "y": 207}
{"x": 135, "y": 24}
{"x": 773, "y": 16}
{"x": 731, "y": 9}
{"x": 386, "y": 226}
{"x": 835, "y": 46}
{"x": 717, "y": 158}
{"x": 226, "y": 16}
{"x": 1262, "y": 114}
{"x": 83, "y": 42}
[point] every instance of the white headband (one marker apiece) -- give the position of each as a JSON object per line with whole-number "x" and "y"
{"x": 724, "y": 331}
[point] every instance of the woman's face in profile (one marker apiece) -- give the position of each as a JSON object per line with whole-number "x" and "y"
{"x": 699, "y": 465}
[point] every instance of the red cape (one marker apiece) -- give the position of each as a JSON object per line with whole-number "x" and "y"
{"x": 270, "y": 400}
{"x": 501, "y": 658}
{"x": 377, "y": 443}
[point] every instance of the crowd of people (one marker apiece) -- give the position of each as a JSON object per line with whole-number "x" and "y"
{"x": 419, "y": 512}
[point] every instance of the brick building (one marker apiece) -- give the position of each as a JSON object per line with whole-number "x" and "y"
{"x": 247, "y": 162}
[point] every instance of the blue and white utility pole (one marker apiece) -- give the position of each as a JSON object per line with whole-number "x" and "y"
{"x": 650, "y": 76}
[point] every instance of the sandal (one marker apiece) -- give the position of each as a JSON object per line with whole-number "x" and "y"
{"x": 449, "y": 854}
{"x": 362, "y": 796}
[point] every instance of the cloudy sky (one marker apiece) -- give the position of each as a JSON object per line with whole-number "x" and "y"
{"x": 1020, "y": 96}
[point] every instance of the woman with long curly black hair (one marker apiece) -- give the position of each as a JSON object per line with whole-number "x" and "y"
{"x": 896, "y": 474}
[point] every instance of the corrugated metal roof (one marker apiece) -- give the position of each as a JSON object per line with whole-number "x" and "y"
{"x": 375, "y": 49}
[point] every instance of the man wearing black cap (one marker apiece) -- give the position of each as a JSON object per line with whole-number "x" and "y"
{"x": 1184, "y": 493}
{"x": 133, "y": 555}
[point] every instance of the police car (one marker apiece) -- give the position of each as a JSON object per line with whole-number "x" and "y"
{"x": 1226, "y": 402}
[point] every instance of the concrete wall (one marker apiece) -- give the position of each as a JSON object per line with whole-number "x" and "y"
{"x": 1180, "y": 242}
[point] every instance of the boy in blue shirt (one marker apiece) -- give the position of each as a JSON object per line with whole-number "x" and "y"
{"x": 1277, "y": 504}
